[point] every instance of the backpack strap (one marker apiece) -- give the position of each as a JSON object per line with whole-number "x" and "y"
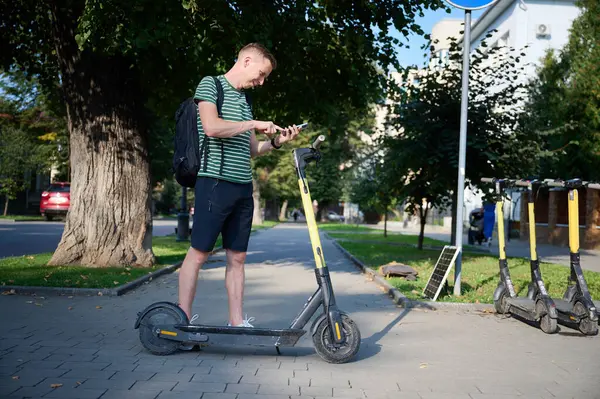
{"x": 248, "y": 100}
{"x": 220, "y": 100}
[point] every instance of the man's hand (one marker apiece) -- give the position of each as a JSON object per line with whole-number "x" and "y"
{"x": 268, "y": 128}
{"x": 287, "y": 134}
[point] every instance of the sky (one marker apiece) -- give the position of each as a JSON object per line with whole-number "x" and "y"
{"x": 414, "y": 54}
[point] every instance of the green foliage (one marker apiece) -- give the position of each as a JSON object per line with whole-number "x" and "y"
{"x": 422, "y": 155}
{"x": 564, "y": 102}
{"x": 331, "y": 61}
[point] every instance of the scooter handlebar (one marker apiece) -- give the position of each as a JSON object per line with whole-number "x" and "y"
{"x": 522, "y": 183}
{"x": 318, "y": 141}
{"x": 554, "y": 183}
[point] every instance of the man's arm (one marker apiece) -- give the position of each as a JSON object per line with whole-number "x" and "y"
{"x": 258, "y": 148}
{"x": 217, "y": 127}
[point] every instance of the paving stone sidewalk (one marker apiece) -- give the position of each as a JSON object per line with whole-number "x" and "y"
{"x": 86, "y": 347}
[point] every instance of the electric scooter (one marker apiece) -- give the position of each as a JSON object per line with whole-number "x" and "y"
{"x": 576, "y": 307}
{"x": 537, "y": 306}
{"x": 164, "y": 326}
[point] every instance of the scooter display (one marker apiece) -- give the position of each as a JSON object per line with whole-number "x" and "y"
{"x": 537, "y": 306}
{"x": 164, "y": 326}
{"x": 576, "y": 308}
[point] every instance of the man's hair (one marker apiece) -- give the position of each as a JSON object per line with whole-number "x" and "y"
{"x": 262, "y": 50}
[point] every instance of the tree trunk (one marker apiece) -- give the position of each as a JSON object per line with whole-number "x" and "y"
{"x": 257, "y": 216}
{"x": 109, "y": 222}
{"x": 283, "y": 210}
{"x": 385, "y": 218}
{"x": 423, "y": 220}
{"x": 6, "y": 206}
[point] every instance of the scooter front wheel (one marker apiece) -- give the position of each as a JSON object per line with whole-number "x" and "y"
{"x": 586, "y": 326}
{"x": 332, "y": 353}
{"x": 159, "y": 316}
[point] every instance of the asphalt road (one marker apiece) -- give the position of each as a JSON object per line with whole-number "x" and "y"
{"x": 23, "y": 238}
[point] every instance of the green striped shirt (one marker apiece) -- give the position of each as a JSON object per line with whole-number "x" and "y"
{"x": 236, "y": 150}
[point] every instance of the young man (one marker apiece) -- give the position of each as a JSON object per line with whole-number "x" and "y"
{"x": 223, "y": 192}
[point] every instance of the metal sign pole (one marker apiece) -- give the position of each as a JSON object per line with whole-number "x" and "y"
{"x": 468, "y": 6}
{"x": 464, "y": 105}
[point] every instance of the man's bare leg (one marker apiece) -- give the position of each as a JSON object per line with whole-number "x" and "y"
{"x": 188, "y": 278}
{"x": 234, "y": 282}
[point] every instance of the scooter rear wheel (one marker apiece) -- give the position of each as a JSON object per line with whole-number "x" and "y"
{"x": 340, "y": 354}
{"x": 148, "y": 337}
{"x": 500, "y": 305}
{"x": 547, "y": 323}
{"x": 586, "y": 326}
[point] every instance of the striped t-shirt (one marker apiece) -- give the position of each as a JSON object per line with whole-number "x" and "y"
{"x": 236, "y": 156}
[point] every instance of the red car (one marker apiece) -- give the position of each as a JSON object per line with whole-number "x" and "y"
{"x": 56, "y": 200}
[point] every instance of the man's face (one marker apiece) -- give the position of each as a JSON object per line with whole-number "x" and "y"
{"x": 257, "y": 69}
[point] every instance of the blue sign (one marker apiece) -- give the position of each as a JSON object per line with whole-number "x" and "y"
{"x": 471, "y": 4}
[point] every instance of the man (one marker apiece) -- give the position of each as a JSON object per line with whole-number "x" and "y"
{"x": 223, "y": 192}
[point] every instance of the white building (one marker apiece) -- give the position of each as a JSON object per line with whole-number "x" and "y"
{"x": 538, "y": 24}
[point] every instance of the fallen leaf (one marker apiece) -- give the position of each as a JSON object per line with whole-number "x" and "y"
{"x": 38, "y": 304}
{"x": 115, "y": 282}
{"x": 70, "y": 297}
{"x": 11, "y": 292}
{"x": 78, "y": 382}
{"x": 29, "y": 257}
{"x": 128, "y": 268}
{"x": 28, "y": 301}
{"x": 99, "y": 293}
{"x": 56, "y": 385}
{"x": 15, "y": 377}
{"x": 70, "y": 308}
{"x": 11, "y": 281}
{"x": 423, "y": 366}
{"x": 83, "y": 277}
{"x": 98, "y": 307}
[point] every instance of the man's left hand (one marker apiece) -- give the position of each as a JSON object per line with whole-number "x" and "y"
{"x": 288, "y": 134}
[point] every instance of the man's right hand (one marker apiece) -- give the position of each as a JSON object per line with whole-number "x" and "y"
{"x": 268, "y": 128}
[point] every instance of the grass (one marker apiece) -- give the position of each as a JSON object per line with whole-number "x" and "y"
{"x": 324, "y": 226}
{"x": 32, "y": 270}
{"x": 479, "y": 277}
{"x": 265, "y": 225}
{"x": 377, "y": 235}
{"x": 22, "y": 218}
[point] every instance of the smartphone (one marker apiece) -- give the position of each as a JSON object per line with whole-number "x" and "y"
{"x": 300, "y": 127}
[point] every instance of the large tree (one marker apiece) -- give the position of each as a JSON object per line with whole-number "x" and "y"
{"x": 123, "y": 67}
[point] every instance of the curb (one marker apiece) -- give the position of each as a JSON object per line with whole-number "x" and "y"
{"x": 117, "y": 291}
{"x": 399, "y": 298}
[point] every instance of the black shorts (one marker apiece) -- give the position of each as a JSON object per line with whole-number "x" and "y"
{"x": 222, "y": 207}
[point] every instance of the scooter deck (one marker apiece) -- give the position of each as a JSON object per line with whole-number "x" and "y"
{"x": 226, "y": 335}
{"x": 523, "y": 307}
{"x": 200, "y": 328}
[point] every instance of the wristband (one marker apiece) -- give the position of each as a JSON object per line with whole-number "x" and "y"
{"x": 273, "y": 144}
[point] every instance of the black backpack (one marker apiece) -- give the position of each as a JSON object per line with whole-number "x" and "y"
{"x": 188, "y": 152}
